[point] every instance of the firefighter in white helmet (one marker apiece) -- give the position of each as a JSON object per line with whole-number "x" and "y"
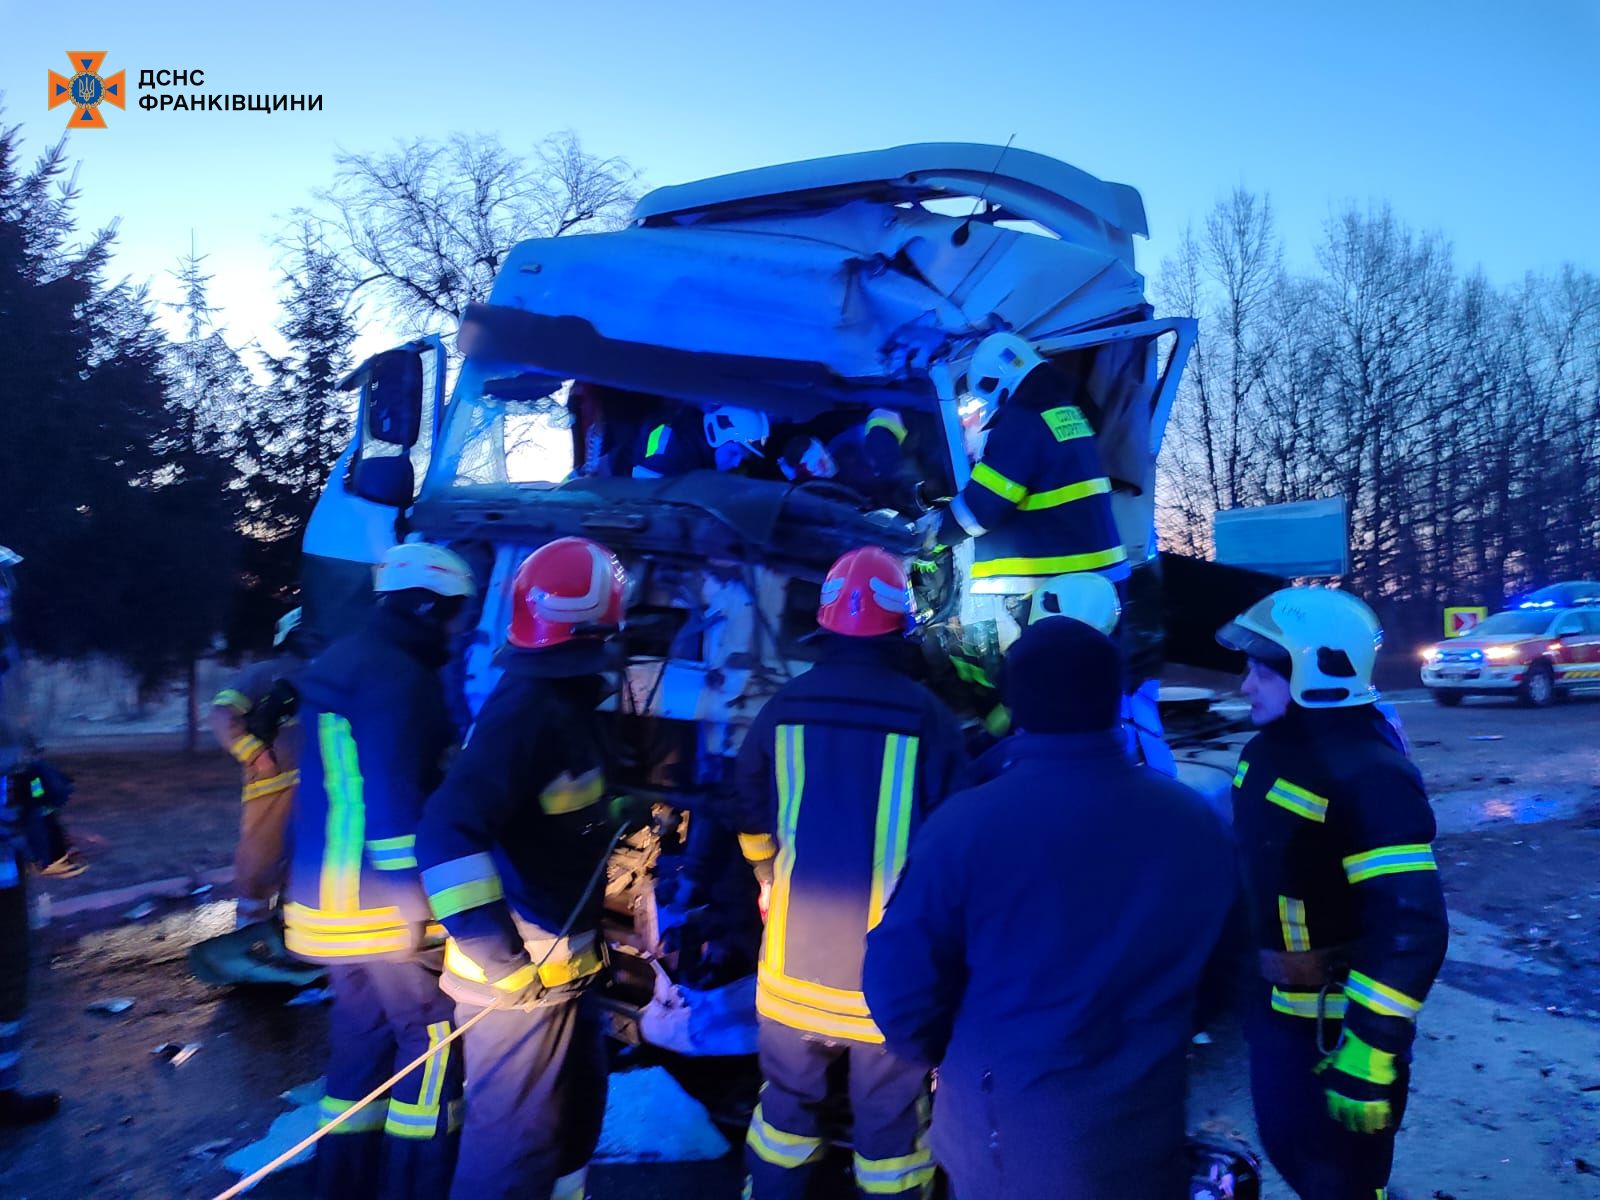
{"x": 1093, "y": 600}
{"x": 1334, "y": 830}
{"x": 1038, "y": 504}
{"x": 253, "y": 719}
{"x": 377, "y": 732}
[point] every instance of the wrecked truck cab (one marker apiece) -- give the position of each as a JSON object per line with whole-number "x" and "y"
{"x": 815, "y": 293}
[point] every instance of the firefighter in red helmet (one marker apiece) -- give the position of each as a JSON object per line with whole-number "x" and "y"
{"x": 835, "y": 774}
{"x": 507, "y": 847}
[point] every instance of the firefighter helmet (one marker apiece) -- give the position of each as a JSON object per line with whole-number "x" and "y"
{"x": 1324, "y": 641}
{"x": 569, "y": 588}
{"x": 743, "y": 429}
{"x": 999, "y": 365}
{"x": 1082, "y": 596}
{"x": 423, "y": 567}
{"x": 866, "y": 594}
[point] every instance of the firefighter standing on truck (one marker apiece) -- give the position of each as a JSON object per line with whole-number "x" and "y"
{"x": 254, "y": 720}
{"x": 509, "y": 851}
{"x": 1038, "y": 503}
{"x": 374, "y": 710}
{"x": 1334, "y": 832}
{"x": 835, "y": 775}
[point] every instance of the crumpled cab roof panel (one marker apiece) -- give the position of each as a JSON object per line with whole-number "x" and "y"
{"x": 834, "y": 265}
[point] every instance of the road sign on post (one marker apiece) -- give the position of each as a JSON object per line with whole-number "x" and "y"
{"x": 1458, "y": 621}
{"x": 1306, "y": 538}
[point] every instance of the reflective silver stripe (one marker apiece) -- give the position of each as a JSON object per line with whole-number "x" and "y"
{"x": 965, "y": 518}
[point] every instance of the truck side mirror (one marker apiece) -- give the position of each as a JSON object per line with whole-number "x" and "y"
{"x": 388, "y": 481}
{"x": 392, "y": 398}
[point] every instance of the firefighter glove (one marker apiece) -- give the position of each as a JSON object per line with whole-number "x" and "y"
{"x": 1360, "y": 1082}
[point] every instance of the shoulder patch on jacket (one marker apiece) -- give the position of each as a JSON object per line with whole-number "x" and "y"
{"x": 1067, "y": 422}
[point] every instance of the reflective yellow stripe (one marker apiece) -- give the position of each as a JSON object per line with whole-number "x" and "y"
{"x": 1389, "y": 860}
{"x": 1381, "y": 998}
{"x": 653, "y": 445}
{"x": 896, "y": 779}
{"x": 308, "y": 943}
{"x": 790, "y": 1151}
{"x": 1292, "y": 917}
{"x": 1061, "y": 564}
{"x": 1239, "y": 773}
{"x": 345, "y": 831}
{"x": 757, "y": 847}
{"x": 896, "y": 1176}
{"x": 420, "y": 1121}
{"x": 246, "y": 747}
{"x": 1056, "y": 497}
{"x": 569, "y": 795}
{"x": 361, "y": 921}
{"x": 229, "y": 698}
{"x": 1299, "y": 800}
{"x": 368, "y": 1120}
{"x": 1007, "y": 489}
{"x": 283, "y": 781}
{"x": 837, "y": 1001}
{"x": 555, "y": 973}
{"x": 456, "y": 900}
{"x": 1304, "y": 1004}
{"x": 811, "y": 1020}
{"x": 790, "y": 760}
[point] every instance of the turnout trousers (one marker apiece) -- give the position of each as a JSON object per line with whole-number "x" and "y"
{"x": 13, "y": 963}
{"x": 889, "y": 1117}
{"x": 536, "y": 1098}
{"x": 1317, "y": 1157}
{"x": 261, "y": 861}
{"x": 385, "y": 1014}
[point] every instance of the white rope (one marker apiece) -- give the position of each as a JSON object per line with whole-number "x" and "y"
{"x": 249, "y": 1181}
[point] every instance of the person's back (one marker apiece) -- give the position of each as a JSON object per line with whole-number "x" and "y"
{"x": 1044, "y": 950}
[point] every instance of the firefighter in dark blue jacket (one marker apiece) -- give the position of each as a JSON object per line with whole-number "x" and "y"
{"x": 1038, "y": 503}
{"x": 836, "y": 773}
{"x": 1335, "y": 835}
{"x": 377, "y": 732}
{"x": 509, "y": 851}
{"x": 726, "y": 438}
{"x": 1047, "y": 942}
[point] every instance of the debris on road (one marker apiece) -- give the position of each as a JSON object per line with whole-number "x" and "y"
{"x": 175, "y": 1054}
{"x": 313, "y": 995}
{"x": 206, "y": 1151}
{"x": 139, "y": 911}
{"x": 1487, "y": 737}
{"x": 113, "y": 1006}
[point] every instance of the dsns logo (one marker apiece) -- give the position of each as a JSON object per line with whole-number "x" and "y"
{"x": 86, "y": 89}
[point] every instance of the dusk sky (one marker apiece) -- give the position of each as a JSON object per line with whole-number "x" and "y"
{"x": 1474, "y": 118}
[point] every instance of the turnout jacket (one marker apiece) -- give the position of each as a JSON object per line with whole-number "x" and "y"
{"x": 1334, "y": 832}
{"x": 270, "y": 756}
{"x": 835, "y": 775}
{"x": 377, "y": 730}
{"x": 1038, "y": 503}
{"x": 512, "y": 837}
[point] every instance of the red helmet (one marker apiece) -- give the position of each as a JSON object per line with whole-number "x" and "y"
{"x": 866, "y": 594}
{"x": 560, "y": 586}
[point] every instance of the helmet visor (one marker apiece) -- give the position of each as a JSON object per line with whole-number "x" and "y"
{"x": 1234, "y": 636}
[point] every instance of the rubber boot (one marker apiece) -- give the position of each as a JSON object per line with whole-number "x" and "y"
{"x": 27, "y": 1108}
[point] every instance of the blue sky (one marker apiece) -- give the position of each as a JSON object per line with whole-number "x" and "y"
{"x": 1474, "y": 118}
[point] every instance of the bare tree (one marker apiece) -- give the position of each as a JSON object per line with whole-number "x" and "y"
{"x": 428, "y": 224}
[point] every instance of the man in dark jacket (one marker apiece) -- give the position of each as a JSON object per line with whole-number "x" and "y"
{"x": 1335, "y": 834}
{"x": 511, "y": 850}
{"x": 834, "y": 776}
{"x": 1046, "y": 944}
{"x": 377, "y": 731}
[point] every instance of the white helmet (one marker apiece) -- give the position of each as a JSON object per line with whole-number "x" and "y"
{"x": 999, "y": 365}
{"x": 9, "y": 557}
{"x": 287, "y": 624}
{"x": 423, "y": 566}
{"x": 1325, "y": 641}
{"x": 727, "y": 425}
{"x": 1084, "y": 597}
